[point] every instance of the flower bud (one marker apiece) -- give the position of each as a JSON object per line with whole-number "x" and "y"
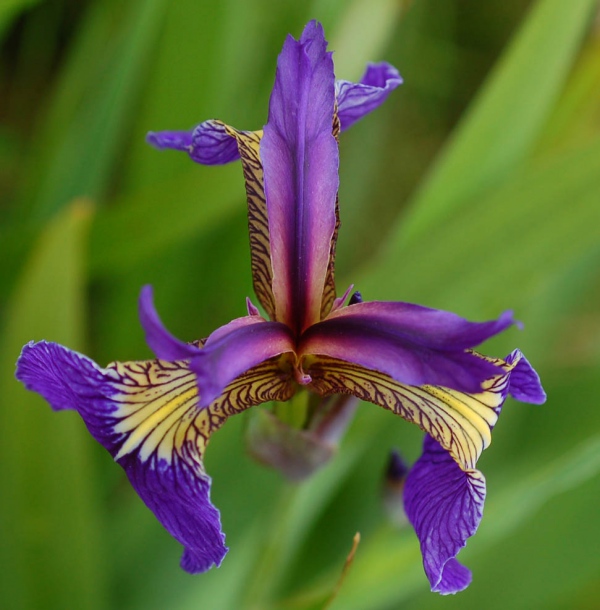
{"x": 299, "y": 448}
{"x": 393, "y": 488}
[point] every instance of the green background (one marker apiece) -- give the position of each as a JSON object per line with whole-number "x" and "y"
{"x": 475, "y": 188}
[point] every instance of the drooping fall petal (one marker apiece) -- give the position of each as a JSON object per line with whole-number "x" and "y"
{"x": 300, "y": 162}
{"x": 461, "y": 422}
{"x": 147, "y": 415}
{"x": 444, "y": 505}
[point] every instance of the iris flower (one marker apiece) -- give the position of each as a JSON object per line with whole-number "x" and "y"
{"x": 156, "y": 417}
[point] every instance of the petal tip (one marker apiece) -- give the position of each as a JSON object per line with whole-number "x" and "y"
{"x": 176, "y": 140}
{"x": 55, "y": 373}
{"x": 164, "y": 345}
{"x": 524, "y": 383}
{"x": 153, "y": 139}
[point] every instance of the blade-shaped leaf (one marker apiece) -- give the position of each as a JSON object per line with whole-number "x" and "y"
{"x": 140, "y": 225}
{"x": 494, "y": 255}
{"x": 502, "y": 127}
{"x": 49, "y": 518}
{"x": 86, "y": 131}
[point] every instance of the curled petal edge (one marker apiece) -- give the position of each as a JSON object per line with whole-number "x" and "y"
{"x": 355, "y": 100}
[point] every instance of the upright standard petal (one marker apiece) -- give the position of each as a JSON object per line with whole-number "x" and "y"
{"x": 235, "y": 348}
{"x": 146, "y": 415}
{"x": 300, "y": 160}
{"x": 415, "y": 345}
{"x": 444, "y": 505}
{"x": 355, "y": 100}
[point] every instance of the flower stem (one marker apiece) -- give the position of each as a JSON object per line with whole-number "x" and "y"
{"x": 276, "y": 553}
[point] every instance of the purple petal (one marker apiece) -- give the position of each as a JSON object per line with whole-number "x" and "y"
{"x": 300, "y": 161}
{"x": 233, "y": 349}
{"x": 177, "y": 140}
{"x": 207, "y": 143}
{"x": 445, "y": 505}
{"x": 144, "y": 414}
{"x": 525, "y": 384}
{"x": 414, "y": 345}
{"x": 164, "y": 345}
{"x": 355, "y": 100}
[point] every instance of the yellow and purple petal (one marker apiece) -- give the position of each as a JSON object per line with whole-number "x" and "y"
{"x": 444, "y": 505}
{"x": 248, "y": 143}
{"x": 300, "y": 161}
{"x": 147, "y": 415}
{"x": 228, "y": 352}
{"x": 355, "y": 100}
{"x": 414, "y": 345}
{"x": 234, "y": 349}
{"x": 461, "y": 422}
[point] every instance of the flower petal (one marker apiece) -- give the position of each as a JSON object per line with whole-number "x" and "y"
{"x": 444, "y": 505}
{"x": 207, "y": 143}
{"x": 355, "y": 100}
{"x": 415, "y": 345}
{"x": 164, "y": 345}
{"x": 525, "y": 384}
{"x": 300, "y": 159}
{"x": 459, "y": 421}
{"x": 235, "y": 348}
{"x": 248, "y": 143}
{"x": 146, "y": 415}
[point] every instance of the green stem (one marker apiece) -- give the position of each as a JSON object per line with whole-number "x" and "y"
{"x": 276, "y": 554}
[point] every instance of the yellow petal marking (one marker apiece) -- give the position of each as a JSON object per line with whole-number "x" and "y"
{"x": 157, "y": 411}
{"x": 460, "y": 422}
{"x": 258, "y": 223}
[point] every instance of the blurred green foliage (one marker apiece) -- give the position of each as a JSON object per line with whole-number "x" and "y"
{"x": 475, "y": 188}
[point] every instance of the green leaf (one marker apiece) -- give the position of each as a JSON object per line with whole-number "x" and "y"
{"x": 501, "y": 129}
{"x": 83, "y": 143}
{"x": 50, "y": 518}
{"x": 576, "y": 118}
{"x": 140, "y": 225}
{"x": 499, "y": 252}
{"x": 10, "y": 9}
{"x": 361, "y": 33}
{"x": 375, "y": 583}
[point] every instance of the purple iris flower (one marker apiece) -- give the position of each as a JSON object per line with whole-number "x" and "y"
{"x": 156, "y": 417}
